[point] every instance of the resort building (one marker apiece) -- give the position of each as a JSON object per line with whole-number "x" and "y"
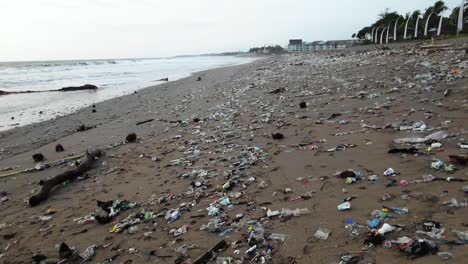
{"x": 298, "y": 45}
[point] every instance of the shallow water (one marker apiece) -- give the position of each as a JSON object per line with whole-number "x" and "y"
{"x": 113, "y": 77}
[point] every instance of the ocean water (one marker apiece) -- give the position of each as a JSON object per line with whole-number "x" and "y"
{"x": 113, "y": 77}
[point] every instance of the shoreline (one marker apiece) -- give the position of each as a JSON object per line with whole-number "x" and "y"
{"x": 114, "y": 80}
{"x": 208, "y": 133}
{"x": 82, "y": 114}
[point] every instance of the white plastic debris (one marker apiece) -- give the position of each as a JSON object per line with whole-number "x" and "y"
{"x": 322, "y": 233}
{"x": 437, "y": 136}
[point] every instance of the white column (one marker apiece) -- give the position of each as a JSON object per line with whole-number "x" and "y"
{"x": 460, "y": 17}
{"x": 406, "y": 27}
{"x": 381, "y": 36}
{"x": 416, "y": 28}
{"x": 372, "y": 34}
{"x": 388, "y": 31}
{"x": 439, "y": 29}
{"x": 395, "y": 30}
{"x": 427, "y": 24}
{"x": 376, "y": 35}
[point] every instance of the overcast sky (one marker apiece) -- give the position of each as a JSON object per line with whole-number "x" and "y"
{"x": 79, "y": 29}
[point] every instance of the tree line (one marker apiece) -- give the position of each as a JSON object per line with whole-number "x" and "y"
{"x": 415, "y": 23}
{"x": 268, "y": 49}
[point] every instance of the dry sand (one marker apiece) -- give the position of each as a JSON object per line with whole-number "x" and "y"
{"x": 238, "y": 112}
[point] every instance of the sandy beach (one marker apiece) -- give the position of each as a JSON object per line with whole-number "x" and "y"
{"x": 211, "y": 138}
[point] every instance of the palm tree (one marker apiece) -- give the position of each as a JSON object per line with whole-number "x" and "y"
{"x": 414, "y": 18}
{"x": 454, "y": 17}
{"x": 439, "y": 6}
{"x": 416, "y": 14}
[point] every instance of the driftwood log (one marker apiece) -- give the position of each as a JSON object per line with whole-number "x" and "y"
{"x": 208, "y": 255}
{"x": 144, "y": 122}
{"x": 64, "y": 89}
{"x": 48, "y": 185}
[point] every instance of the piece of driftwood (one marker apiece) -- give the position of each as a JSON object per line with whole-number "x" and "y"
{"x": 48, "y": 185}
{"x": 49, "y": 164}
{"x": 440, "y": 46}
{"x": 78, "y": 88}
{"x": 206, "y": 257}
{"x": 64, "y": 89}
{"x": 143, "y": 122}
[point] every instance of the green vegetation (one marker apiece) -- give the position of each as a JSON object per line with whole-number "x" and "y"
{"x": 387, "y": 18}
{"x": 268, "y": 50}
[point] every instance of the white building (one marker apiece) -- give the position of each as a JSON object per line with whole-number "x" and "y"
{"x": 297, "y": 45}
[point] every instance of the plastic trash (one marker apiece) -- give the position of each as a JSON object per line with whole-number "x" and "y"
{"x": 419, "y": 248}
{"x": 387, "y": 243}
{"x": 437, "y": 164}
{"x": 132, "y": 230}
{"x": 251, "y": 251}
{"x": 344, "y": 206}
{"x": 350, "y": 180}
{"x": 437, "y": 136}
{"x": 389, "y": 172}
{"x": 257, "y": 233}
{"x": 182, "y": 249}
{"x": 462, "y": 235}
{"x": 400, "y": 211}
{"x": 172, "y": 216}
{"x": 225, "y": 202}
{"x": 88, "y": 253}
{"x": 213, "y": 225}
{"x": 449, "y": 167}
{"x": 295, "y": 212}
{"x": 445, "y": 255}
{"x": 385, "y": 229}
{"x": 225, "y": 232}
{"x": 235, "y": 194}
{"x": 263, "y": 185}
{"x": 428, "y": 178}
{"x": 435, "y": 233}
{"x": 181, "y": 230}
{"x": 454, "y": 203}
{"x": 224, "y": 260}
{"x": 272, "y": 213}
{"x": 386, "y": 197}
{"x": 436, "y": 145}
{"x": 212, "y": 211}
{"x": 376, "y": 214}
{"x": 322, "y": 233}
{"x": 374, "y": 223}
{"x": 349, "y": 259}
{"x": 373, "y": 178}
{"x": 343, "y": 122}
{"x": 429, "y": 225}
{"x": 279, "y": 237}
{"x": 402, "y": 240}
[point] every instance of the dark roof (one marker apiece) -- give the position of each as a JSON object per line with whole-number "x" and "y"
{"x": 295, "y": 42}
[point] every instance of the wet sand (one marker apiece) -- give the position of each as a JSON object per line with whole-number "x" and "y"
{"x": 376, "y": 92}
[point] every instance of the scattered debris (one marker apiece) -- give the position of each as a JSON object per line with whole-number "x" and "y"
{"x": 48, "y": 185}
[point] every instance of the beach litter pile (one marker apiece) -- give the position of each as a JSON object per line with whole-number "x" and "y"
{"x": 356, "y": 156}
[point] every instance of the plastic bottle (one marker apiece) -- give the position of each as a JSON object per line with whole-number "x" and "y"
{"x": 225, "y": 232}
{"x": 344, "y": 206}
{"x": 251, "y": 250}
{"x": 295, "y": 212}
